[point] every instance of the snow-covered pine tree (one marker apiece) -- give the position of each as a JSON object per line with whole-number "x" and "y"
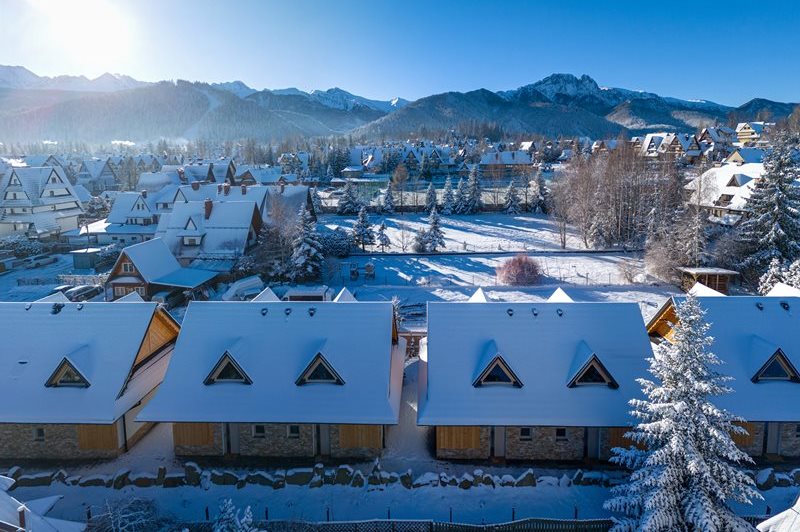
{"x": 689, "y": 466}
{"x": 430, "y": 198}
{"x": 776, "y": 273}
{"x": 542, "y": 198}
{"x": 349, "y": 202}
{"x": 316, "y": 201}
{"x": 460, "y": 204}
{"x": 307, "y": 258}
{"x": 387, "y": 205}
{"x": 227, "y": 518}
{"x": 792, "y": 277}
{"x": 511, "y": 203}
{"x": 382, "y": 238}
{"x": 329, "y": 174}
{"x": 773, "y": 227}
{"x": 434, "y": 236}
{"x": 473, "y": 202}
{"x": 362, "y": 230}
{"x": 447, "y": 197}
{"x": 425, "y": 167}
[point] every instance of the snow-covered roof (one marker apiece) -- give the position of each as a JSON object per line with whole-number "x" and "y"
{"x": 786, "y": 521}
{"x": 81, "y": 193}
{"x": 130, "y": 297}
{"x": 478, "y": 296}
{"x": 783, "y": 290}
{"x": 506, "y": 157}
{"x": 701, "y": 290}
{"x": 344, "y": 296}
{"x": 57, "y": 297}
{"x": 273, "y": 343}
{"x": 729, "y": 185}
{"x": 266, "y": 295}
{"x": 34, "y": 512}
{"x": 559, "y": 296}
{"x": 157, "y": 265}
{"x": 100, "y": 340}
{"x": 545, "y": 345}
{"x": 748, "y": 155}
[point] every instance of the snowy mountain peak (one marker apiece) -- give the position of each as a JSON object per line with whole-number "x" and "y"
{"x": 239, "y": 88}
{"x": 337, "y": 98}
{"x": 567, "y": 85}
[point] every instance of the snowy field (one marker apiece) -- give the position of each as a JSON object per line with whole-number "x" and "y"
{"x": 10, "y": 290}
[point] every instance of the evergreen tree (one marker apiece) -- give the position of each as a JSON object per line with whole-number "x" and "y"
{"x": 460, "y": 205}
{"x": 511, "y": 203}
{"x": 434, "y": 237}
{"x": 430, "y": 198}
{"x": 773, "y": 228}
{"x": 473, "y": 202}
{"x": 349, "y": 202}
{"x": 388, "y": 200}
{"x": 447, "y": 197}
{"x": 329, "y": 174}
{"x": 776, "y": 273}
{"x": 227, "y": 518}
{"x": 362, "y": 230}
{"x": 307, "y": 258}
{"x": 538, "y": 195}
{"x": 383, "y": 239}
{"x": 425, "y": 167}
{"x": 688, "y": 467}
{"x": 792, "y": 276}
{"x": 316, "y": 201}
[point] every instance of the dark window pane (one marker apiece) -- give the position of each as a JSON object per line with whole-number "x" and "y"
{"x": 591, "y": 376}
{"x": 497, "y": 374}
{"x": 321, "y": 373}
{"x": 774, "y": 371}
{"x": 229, "y": 373}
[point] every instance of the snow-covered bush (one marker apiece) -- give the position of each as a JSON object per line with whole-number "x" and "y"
{"x": 520, "y": 271}
{"x": 22, "y": 246}
{"x": 336, "y": 243}
{"x": 228, "y": 519}
{"x": 126, "y": 515}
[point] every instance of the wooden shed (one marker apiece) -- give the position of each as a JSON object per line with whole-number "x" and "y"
{"x": 715, "y": 278}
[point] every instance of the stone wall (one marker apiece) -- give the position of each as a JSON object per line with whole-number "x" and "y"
{"x": 276, "y": 441}
{"x": 351, "y": 452}
{"x": 543, "y": 444}
{"x": 60, "y": 442}
{"x": 756, "y": 446}
{"x": 478, "y": 453}
{"x": 789, "y": 439}
{"x": 215, "y": 449}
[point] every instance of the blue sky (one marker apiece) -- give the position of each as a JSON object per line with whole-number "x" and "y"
{"x": 728, "y": 51}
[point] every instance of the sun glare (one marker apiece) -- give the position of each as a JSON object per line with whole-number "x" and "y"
{"x": 93, "y": 35}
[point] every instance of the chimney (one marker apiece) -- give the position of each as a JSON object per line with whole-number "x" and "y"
{"x": 226, "y": 188}
{"x": 22, "y": 511}
{"x": 144, "y": 194}
{"x": 208, "y": 205}
{"x": 195, "y": 185}
{"x": 244, "y": 190}
{"x": 219, "y": 189}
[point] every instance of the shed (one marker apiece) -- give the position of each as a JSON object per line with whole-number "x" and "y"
{"x": 85, "y": 258}
{"x": 715, "y": 278}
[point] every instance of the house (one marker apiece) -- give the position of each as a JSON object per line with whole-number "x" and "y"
{"x": 530, "y": 381}
{"x": 679, "y": 145}
{"x": 742, "y": 156}
{"x": 786, "y": 521}
{"x": 723, "y": 191}
{"x": 749, "y": 133}
{"x": 133, "y": 218}
{"x": 20, "y": 516}
{"x": 148, "y": 268}
{"x": 505, "y": 164}
{"x": 282, "y": 379}
{"x": 73, "y": 393}
{"x": 39, "y": 202}
{"x": 210, "y": 234}
{"x": 755, "y": 337}
{"x": 97, "y": 175}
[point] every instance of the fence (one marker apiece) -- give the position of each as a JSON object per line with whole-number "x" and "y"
{"x": 74, "y": 279}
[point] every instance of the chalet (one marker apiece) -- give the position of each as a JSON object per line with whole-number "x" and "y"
{"x": 505, "y": 164}
{"x": 749, "y": 133}
{"x": 746, "y": 156}
{"x": 282, "y": 379}
{"x": 133, "y": 218}
{"x": 97, "y": 175}
{"x": 224, "y": 171}
{"x": 294, "y": 163}
{"x": 352, "y": 172}
{"x": 756, "y": 340}
{"x": 39, "y": 202}
{"x": 717, "y": 135}
{"x": 74, "y": 392}
{"x": 723, "y": 191}
{"x": 679, "y": 145}
{"x": 148, "y": 268}
{"x": 530, "y": 381}
{"x": 651, "y": 143}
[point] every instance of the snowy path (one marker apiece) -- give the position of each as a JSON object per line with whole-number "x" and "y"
{"x": 407, "y": 442}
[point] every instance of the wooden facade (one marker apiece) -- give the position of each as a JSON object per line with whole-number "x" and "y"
{"x": 360, "y": 436}
{"x": 162, "y": 331}
{"x": 98, "y": 437}
{"x": 662, "y": 324}
{"x": 715, "y": 278}
{"x": 458, "y": 437}
{"x": 192, "y": 434}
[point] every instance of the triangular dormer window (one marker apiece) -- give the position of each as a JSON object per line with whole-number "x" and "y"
{"x": 15, "y": 181}
{"x": 593, "y": 373}
{"x": 777, "y": 368}
{"x": 54, "y": 178}
{"x": 227, "y": 370}
{"x": 190, "y": 226}
{"x": 319, "y": 370}
{"x": 67, "y": 375}
{"x": 497, "y": 372}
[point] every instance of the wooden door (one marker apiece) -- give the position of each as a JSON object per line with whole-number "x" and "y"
{"x": 499, "y": 442}
{"x": 592, "y": 443}
{"x": 773, "y": 438}
{"x": 324, "y": 439}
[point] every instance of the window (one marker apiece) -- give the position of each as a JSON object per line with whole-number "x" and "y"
{"x": 593, "y": 373}
{"x": 227, "y": 370}
{"x": 259, "y": 431}
{"x": 497, "y": 373}
{"x": 777, "y": 368}
{"x": 52, "y": 192}
{"x": 525, "y": 434}
{"x": 120, "y": 291}
{"x": 38, "y": 434}
{"x": 127, "y": 267}
{"x": 293, "y": 431}
{"x": 561, "y": 434}
{"x": 139, "y": 290}
{"x": 67, "y": 375}
{"x": 319, "y": 371}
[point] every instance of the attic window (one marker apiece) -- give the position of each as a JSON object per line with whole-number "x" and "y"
{"x": 593, "y": 373}
{"x": 777, "y": 368}
{"x": 67, "y": 375}
{"x": 227, "y": 370}
{"x": 497, "y": 373}
{"x": 319, "y": 371}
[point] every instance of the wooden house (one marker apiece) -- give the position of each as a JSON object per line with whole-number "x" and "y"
{"x": 97, "y": 175}
{"x": 75, "y": 375}
{"x": 756, "y": 340}
{"x": 282, "y": 379}
{"x": 749, "y": 133}
{"x": 530, "y": 381}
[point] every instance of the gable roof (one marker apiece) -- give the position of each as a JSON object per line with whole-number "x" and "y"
{"x": 266, "y": 295}
{"x": 545, "y": 348}
{"x": 344, "y": 296}
{"x": 157, "y": 265}
{"x": 559, "y": 296}
{"x": 478, "y": 296}
{"x": 274, "y": 342}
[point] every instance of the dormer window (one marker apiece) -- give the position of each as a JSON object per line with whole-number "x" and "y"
{"x": 227, "y": 370}
{"x": 777, "y": 368}
{"x": 67, "y": 375}
{"x": 593, "y": 373}
{"x": 127, "y": 267}
{"x": 497, "y": 373}
{"x": 319, "y": 370}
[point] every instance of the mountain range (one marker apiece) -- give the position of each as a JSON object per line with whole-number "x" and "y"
{"x": 114, "y": 106}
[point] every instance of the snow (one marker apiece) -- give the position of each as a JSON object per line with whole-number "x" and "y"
{"x": 783, "y": 290}
{"x": 786, "y": 521}
{"x": 559, "y": 296}
{"x": 344, "y": 296}
{"x": 479, "y": 296}
{"x": 266, "y": 295}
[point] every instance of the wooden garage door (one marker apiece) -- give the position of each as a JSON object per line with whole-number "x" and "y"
{"x": 192, "y": 434}
{"x": 360, "y": 436}
{"x": 458, "y": 437}
{"x": 97, "y": 436}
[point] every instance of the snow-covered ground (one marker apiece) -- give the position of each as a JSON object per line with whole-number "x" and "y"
{"x": 10, "y": 290}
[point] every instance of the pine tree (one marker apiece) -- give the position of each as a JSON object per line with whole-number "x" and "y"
{"x": 316, "y": 201}
{"x": 434, "y": 237}
{"x": 773, "y": 227}
{"x": 349, "y": 202}
{"x": 227, "y": 518}
{"x": 792, "y": 276}
{"x": 382, "y": 238}
{"x": 511, "y": 203}
{"x": 447, "y": 197}
{"x": 538, "y": 194}
{"x": 307, "y": 258}
{"x": 460, "y": 205}
{"x": 329, "y": 174}
{"x": 689, "y": 466}
{"x": 776, "y": 273}
{"x": 362, "y": 230}
{"x": 430, "y": 198}
{"x": 473, "y": 202}
{"x": 425, "y": 167}
{"x": 388, "y": 200}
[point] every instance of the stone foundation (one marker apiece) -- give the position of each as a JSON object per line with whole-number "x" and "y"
{"x": 276, "y": 441}
{"x": 543, "y": 444}
{"x": 756, "y": 445}
{"x": 60, "y": 442}
{"x": 789, "y": 440}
